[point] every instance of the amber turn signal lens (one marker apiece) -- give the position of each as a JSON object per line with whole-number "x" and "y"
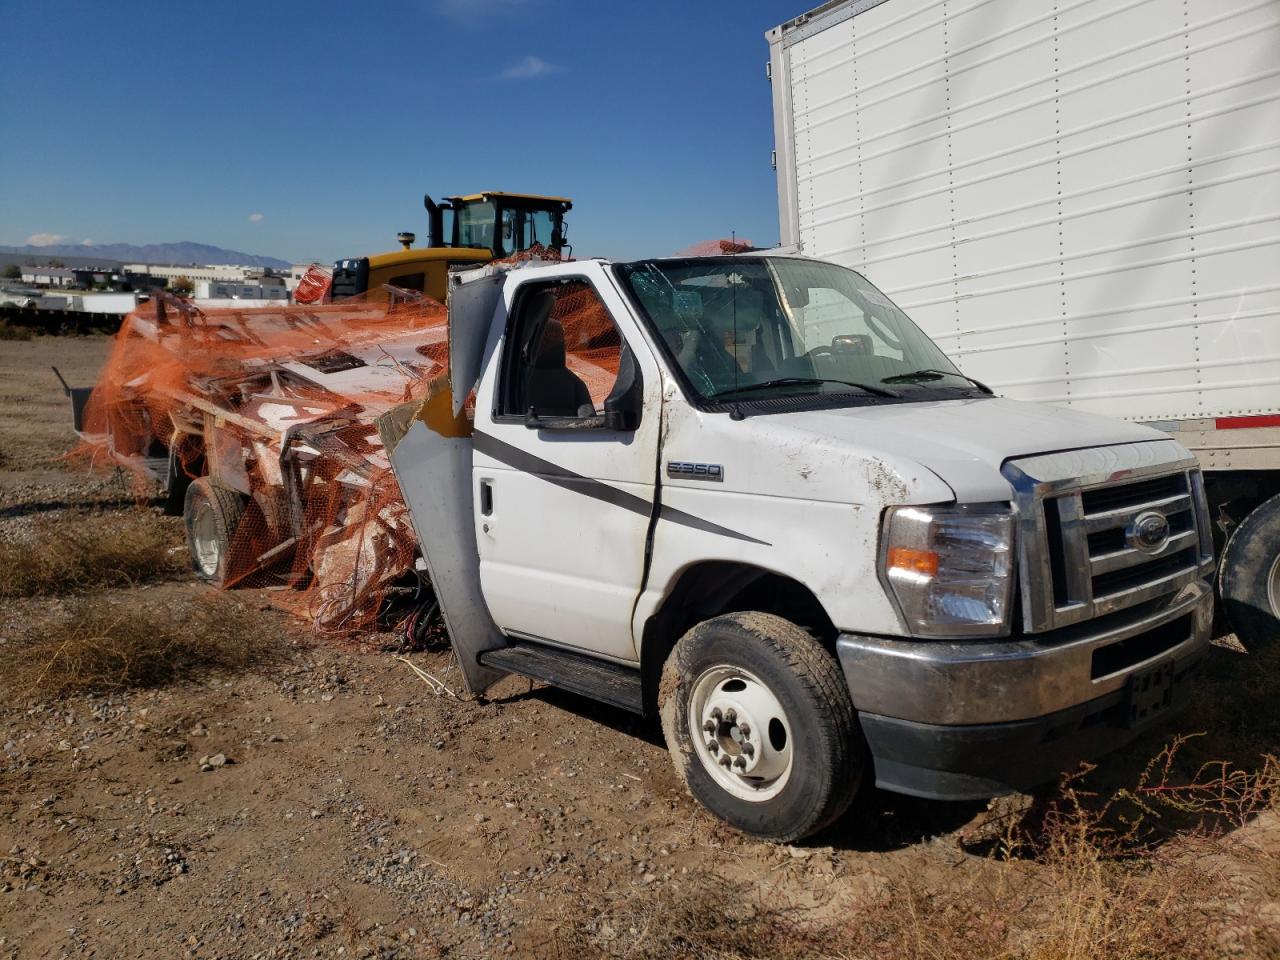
{"x": 923, "y": 562}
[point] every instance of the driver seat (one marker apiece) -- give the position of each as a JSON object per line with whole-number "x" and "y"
{"x": 551, "y": 388}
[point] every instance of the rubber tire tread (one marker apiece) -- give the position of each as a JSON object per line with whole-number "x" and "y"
{"x": 1242, "y": 576}
{"x": 837, "y": 745}
{"x": 228, "y": 508}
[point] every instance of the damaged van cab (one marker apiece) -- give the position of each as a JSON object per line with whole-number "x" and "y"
{"x": 748, "y": 495}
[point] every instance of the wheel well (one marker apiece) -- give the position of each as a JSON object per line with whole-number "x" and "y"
{"x": 717, "y": 587}
{"x": 1233, "y": 496}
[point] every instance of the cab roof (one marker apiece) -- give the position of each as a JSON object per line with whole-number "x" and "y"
{"x": 486, "y": 194}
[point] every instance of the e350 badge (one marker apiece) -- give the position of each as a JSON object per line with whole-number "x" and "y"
{"x": 686, "y": 470}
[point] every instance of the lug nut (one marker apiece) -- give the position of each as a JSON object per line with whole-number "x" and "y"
{"x": 709, "y": 726}
{"x": 749, "y": 749}
{"x": 731, "y": 715}
{"x": 716, "y": 715}
{"x": 713, "y": 746}
{"x": 724, "y": 761}
{"x": 744, "y": 729}
{"x": 740, "y": 763}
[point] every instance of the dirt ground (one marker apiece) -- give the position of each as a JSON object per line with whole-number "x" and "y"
{"x": 359, "y": 813}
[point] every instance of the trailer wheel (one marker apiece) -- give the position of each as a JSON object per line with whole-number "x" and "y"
{"x": 212, "y": 513}
{"x": 177, "y": 482}
{"x": 1249, "y": 580}
{"x": 760, "y": 726}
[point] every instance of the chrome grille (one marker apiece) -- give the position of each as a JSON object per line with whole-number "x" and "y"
{"x": 1078, "y": 512}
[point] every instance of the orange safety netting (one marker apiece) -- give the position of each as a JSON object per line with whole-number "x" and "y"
{"x": 716, "y": 248}
{"x": 277, "y": 406}
{"x": 314, "y": 285}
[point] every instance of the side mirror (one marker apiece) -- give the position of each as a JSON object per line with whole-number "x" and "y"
{"x": 625, "y": 403}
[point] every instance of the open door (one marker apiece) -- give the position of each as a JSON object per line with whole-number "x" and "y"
{"x": 471, "y": 308}
{"x": 433, "y": 465}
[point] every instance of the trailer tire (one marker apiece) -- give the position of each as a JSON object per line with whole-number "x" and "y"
{"x": 1249, "y": 578}
{"x": 177, "y": 483}
{"x": 807, "y": 759}
{"x": 211, "y": 514}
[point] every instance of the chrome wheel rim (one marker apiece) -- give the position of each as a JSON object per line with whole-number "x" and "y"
{"x": 204, "y": 541}
{"x": 741, "y": 735}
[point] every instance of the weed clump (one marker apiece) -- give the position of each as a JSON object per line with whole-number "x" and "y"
{"x": 95, "y": 550}
{"x": 14, "y": 333}
{"x": 94, "y": 646}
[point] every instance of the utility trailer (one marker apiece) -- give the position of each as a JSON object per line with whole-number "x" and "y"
{"x": 1079, "y": 201}
{"x": 257, "y": 424}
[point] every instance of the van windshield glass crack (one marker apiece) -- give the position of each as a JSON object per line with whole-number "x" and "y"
{"x": 784, "y": 327}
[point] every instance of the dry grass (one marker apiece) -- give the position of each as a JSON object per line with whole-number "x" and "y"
{"x": 93, "y": 646}
{"x": 77, "y": 552}
{"x": 1073, "y": 876}
{"x": 14, "y": 333}
{"x": 722, "y": 920}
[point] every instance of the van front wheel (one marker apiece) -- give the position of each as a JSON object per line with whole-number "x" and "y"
{"x": 760, "y": 726}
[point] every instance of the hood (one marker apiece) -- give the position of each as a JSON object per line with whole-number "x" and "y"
{"x": 965, "y": 442}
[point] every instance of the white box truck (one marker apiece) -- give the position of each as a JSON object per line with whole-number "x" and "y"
{"x": 1079, "y": 201}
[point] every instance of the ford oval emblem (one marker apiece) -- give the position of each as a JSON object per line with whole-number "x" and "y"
{"x": 1148, "y": 532}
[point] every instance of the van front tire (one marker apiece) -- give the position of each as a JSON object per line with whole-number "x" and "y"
{"x": 760, "y": 726}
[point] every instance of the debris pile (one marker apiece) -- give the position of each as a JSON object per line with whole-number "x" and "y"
{"x": 277, "y": 407}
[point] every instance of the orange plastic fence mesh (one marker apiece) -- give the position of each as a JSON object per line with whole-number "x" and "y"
{"x": 592, "y": 343}
{"x": 277, "y": 406}
{"x": 716, "y": 248}
{"x": 314, "y": 285}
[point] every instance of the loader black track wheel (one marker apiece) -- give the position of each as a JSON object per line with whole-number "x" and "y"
{"x": 760, "y": 726}
{"x": 212, "y": 514}
{"x": 1249, "y": 579}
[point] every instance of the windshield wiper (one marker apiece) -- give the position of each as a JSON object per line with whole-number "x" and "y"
{"x": 931, "y": 374}
{"x": 810, "y": 381}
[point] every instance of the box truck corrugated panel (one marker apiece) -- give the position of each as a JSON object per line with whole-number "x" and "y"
{"x": 1081, "y": 202}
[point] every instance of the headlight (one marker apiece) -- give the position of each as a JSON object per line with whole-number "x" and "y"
{"x": 950, "y": 569}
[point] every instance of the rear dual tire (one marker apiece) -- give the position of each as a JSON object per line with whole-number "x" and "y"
{"x": 1249, "y": 579}
{"x": 760, "y": 726}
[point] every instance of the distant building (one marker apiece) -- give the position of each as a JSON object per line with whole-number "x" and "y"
{"x": 258, "y": 288}
{"x": 58, "y": 277}
{"x": 194, "y": 272}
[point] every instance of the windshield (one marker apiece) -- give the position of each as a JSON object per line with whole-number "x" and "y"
{"x": 521, "y": 229}
{"x": 756, "y": 328}
{"x": 475, "y": 224}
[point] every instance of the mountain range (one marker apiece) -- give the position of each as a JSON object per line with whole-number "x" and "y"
{"x": 175, "y": 253}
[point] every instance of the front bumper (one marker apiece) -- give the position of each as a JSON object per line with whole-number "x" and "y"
{"x": 961, "y": 720}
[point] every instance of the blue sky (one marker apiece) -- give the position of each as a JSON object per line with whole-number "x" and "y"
{"x": 311, "y": 131}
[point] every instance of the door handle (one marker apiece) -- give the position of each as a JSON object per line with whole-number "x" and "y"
{"x": 486, "y": 498}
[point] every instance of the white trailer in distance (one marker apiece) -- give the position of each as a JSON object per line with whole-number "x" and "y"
{"x": 1079, "y": 201}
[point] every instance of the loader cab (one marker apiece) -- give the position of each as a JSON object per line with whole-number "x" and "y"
{"x": 462, "y": 231}
{"x": 502, "y": 223}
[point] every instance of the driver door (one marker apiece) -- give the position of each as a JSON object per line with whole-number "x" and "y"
{"x": 562, "y": 502}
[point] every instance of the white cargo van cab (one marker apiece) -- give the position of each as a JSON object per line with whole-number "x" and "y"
{"x": 746, "y": 494}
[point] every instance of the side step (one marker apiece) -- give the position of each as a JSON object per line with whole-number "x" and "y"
{"x": 575, "y": 672}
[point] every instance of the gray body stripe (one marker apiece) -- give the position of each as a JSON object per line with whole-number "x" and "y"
{"x": 526, "y": 462}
